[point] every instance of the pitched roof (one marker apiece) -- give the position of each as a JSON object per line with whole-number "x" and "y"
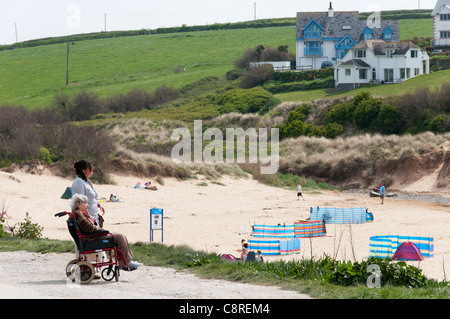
{"x": 439, "y": 5}
{"x": 343, "y": 23}
{"x": 379, "y": 47}
{"x": 356, "y": 62}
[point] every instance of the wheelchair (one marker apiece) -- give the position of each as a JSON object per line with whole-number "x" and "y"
{"x": 82, "y": 270}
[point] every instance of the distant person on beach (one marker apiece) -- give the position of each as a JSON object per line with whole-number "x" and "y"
{"x": 382, "y": 193}
{"x": 83, "y": 185}
{"x": 259, "y": 257}
{"x": 79, "y": 206}
{"x": 299, "y": 191}
{"x": 244, "y": 252}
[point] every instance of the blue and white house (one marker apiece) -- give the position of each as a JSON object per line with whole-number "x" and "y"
{"x": 328, "y": 36}
{"x": 441, "y": 25}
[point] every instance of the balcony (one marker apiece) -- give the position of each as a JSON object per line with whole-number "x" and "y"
{"x": 313, "y": 51}
{"x": 313, "y": 35}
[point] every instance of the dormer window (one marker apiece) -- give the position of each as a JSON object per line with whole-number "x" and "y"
{"x": 313, "y": 30}
{"x": 367, "y": 33}
{"x": 388, "y": 34}
{"x": 389, "y": 53}
{"x": 414, "y": 53}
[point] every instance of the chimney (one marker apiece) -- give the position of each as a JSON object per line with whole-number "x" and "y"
{"x": 330, "y": 11}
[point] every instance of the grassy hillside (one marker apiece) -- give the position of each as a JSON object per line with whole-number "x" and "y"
{"x": 32, "y": 76}
{"x": 433, "y": 80}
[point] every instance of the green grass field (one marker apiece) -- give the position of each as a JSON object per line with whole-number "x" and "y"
{"x": 32, "y": 76}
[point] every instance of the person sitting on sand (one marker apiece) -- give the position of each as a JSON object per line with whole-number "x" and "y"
{"x": 79, "y": 206}
{"x": 244, "y": 252}
{"x": 259, "y": 257}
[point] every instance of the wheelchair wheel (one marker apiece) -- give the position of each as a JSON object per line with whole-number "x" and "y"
{"x": 69, "y": 268}
{"x": 83, "y": 272}
{"x": 108, "y": 273}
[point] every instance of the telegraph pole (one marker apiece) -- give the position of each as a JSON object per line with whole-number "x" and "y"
{"x": 67, "y": 64}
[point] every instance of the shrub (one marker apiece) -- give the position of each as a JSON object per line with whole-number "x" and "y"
{"x": 245, "y": 100}
{"x": 82, "y": 106}
{"x": 366, "y": 110}
{"x": 256, "y": 76}
{"x": 301, "y": 86}
{"x": 388, "y": 119}
{"x": 29, "y": 230}
{"x": 341, "y": 113}
{"x": 440, "y": 123}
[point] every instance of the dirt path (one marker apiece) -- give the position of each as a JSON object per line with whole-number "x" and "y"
{"x": 34, "y": 275}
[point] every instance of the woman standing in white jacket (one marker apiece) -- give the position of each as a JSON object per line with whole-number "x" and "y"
{"x": 83, "y": 185}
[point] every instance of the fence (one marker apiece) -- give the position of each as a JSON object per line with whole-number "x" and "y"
{"x": 301, "y": 229}
{"x": 331, "y": 215}
{"x": 275, "y": 247}
{"x": 307, "y": 229}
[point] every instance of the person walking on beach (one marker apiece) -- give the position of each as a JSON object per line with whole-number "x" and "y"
{"x": 299, "y": 191}
{"x": 382, "y": 193}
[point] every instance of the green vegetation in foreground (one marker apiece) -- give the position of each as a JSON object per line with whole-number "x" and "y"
{"x": 305, "y": 276}
{"x": 432, "y": 80}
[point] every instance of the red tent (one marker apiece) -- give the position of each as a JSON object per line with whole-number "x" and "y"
{"x": 407, "y": 251}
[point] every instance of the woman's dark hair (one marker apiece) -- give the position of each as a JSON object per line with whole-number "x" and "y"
{"x": 80, "y": 166}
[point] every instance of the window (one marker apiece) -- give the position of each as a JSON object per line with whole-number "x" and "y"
{"x": 444, "y": 17}
{"x": 374, "y": 74}
{"x": 348, "y": 72}
{"x": 414, "y": 53}
{"x": 388, "y": 75}
{"x": 416, "y": 71}
{"x": 388, "y": 34}
{"x": 367, "y": 33}
{"x": 363, "y": 74}
{"x": 445, "y": 34}
{"x": 402, "y": 73}
{"x": 389, "y": 53}
{"x": 359, "y": 54}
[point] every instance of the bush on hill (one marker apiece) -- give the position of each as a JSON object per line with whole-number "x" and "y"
{"x": 27, "y": 135}
{"x": 415, "y": 112}
{"x": 255, "y": 100}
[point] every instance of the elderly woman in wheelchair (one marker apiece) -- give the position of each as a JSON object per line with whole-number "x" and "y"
{"x": 89, "y": 239}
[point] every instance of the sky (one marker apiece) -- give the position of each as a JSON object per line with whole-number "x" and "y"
{"x": 22, "y": 20}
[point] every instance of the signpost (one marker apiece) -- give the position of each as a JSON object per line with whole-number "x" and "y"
{"x": 156, "y": 222}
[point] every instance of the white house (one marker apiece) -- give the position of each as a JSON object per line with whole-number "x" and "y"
{"x": 327, "y": 36}
{"x": 441, "y": 25}
{"x": 378, "y": 61}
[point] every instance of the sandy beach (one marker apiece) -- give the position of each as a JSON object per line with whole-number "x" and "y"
{"x": 215, "y": 216}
